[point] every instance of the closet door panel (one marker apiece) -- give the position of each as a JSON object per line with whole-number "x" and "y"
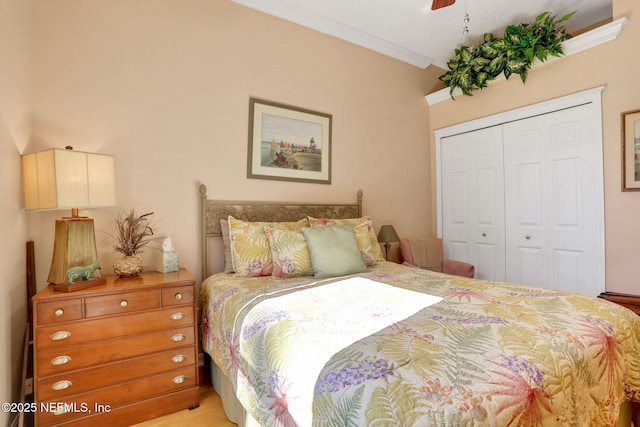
{"x": 526, "y": 237}
{"x": 569, "y": 270}
{"x": 458, "y": 206}
{"x": 550, "y": 202}
{"x": 567, "y": 192}
{"x": 455, "y": 203}
{"x": 530, "y": 266}
{"x": 473, "y": 201}
{"x": 489, "y": 265}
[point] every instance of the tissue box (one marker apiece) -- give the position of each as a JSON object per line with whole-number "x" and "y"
{"x": 167, "y": 262}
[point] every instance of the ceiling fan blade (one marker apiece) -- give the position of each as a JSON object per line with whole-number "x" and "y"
{"x": 437, "y": 4}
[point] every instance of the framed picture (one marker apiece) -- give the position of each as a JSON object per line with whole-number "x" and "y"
{"x": 288, "y": 143}
{"x": 631, "y": 151}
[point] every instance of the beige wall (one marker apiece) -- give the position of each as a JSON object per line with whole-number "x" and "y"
{"x": 613, "y": 64}
{"x": 15, "y": 68}
{"x": 164, "y": 85}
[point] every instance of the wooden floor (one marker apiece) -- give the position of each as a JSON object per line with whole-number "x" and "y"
{"x": 209, "y": 413}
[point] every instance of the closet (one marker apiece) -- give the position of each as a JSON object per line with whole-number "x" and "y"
{"x": 520, "y": 194}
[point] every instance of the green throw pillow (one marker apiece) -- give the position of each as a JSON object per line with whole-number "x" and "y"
{"x": 334, "y": 251}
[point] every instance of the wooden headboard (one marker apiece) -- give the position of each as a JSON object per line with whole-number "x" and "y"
{"x": 213, "y": 210}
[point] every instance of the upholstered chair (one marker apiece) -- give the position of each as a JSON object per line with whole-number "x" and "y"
{"x": 426, "y": 253}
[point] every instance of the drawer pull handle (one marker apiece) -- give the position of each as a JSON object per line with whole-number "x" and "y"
{"x": 61, "y": 409}
{"x": 178, "y": 296}
{"x": 177, "y": 316}
{"x": 178, "y": 337}
{"x": 178, "y": 358}
{"x": 179, "y": 379}
{"x": 60, "y": 335}
{"x": 61, "y": 385}
{"x": 124, "y": 303}
{"x": 60, "y": 360}
{"x": 59, "y": 312}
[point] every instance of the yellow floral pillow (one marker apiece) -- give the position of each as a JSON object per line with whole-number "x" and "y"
{"x": 365, "y": 235}
{"x": 250, "y": 250}
{"x": 289, "y": 253}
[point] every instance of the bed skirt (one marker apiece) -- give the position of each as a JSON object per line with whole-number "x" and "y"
{"x": 232, "y": 407}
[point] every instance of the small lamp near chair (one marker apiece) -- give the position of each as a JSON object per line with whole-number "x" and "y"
{"x": 67, "y": 179}
{"x": 387, "y": 235}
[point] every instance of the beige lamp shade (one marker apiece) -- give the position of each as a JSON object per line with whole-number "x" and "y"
{"x": 66, "y": 179}
{"x": 387, "y": 234}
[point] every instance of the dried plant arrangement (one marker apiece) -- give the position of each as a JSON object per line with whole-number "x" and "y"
{"x": 133, "y": 232}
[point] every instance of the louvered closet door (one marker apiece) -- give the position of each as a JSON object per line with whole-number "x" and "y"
{"x": 550, "y": 201}
{"x": 473, "y": 201}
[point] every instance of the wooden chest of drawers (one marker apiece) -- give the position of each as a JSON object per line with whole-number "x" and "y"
{"x": 632, "y": 302}
{"x": 116, "y": 354}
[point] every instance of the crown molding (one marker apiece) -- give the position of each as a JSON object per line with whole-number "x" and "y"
{"x": 587, "y": 40}
{"x": 292, "y": 12}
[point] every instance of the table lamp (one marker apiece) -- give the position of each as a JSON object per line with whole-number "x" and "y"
{"x": 388, "y": 235}
{"x": 67, "y": 179}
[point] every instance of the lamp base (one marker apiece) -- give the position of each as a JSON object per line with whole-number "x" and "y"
{"x": 77, "y": 286}
{"x": 74, "y": 246}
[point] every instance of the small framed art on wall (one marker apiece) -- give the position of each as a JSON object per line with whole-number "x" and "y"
{"x": 631, "y": 151}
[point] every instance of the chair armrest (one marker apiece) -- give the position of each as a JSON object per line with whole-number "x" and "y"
{"x": 408, "y": 264}
{"x": 458, "y": 268}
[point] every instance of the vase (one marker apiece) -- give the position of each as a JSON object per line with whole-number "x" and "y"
{"x": 128, "y": 266}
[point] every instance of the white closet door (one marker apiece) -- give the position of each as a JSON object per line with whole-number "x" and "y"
{"x": 473, "y": 201}
{"x": 550, "y": 201}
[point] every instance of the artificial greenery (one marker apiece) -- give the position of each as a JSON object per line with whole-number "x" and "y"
{"x": 514, "y": 53}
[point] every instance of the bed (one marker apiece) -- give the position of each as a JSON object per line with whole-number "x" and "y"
{"x": 393, "y": 345}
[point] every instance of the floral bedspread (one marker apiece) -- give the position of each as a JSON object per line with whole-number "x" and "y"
{"x": 487, "y": 354}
